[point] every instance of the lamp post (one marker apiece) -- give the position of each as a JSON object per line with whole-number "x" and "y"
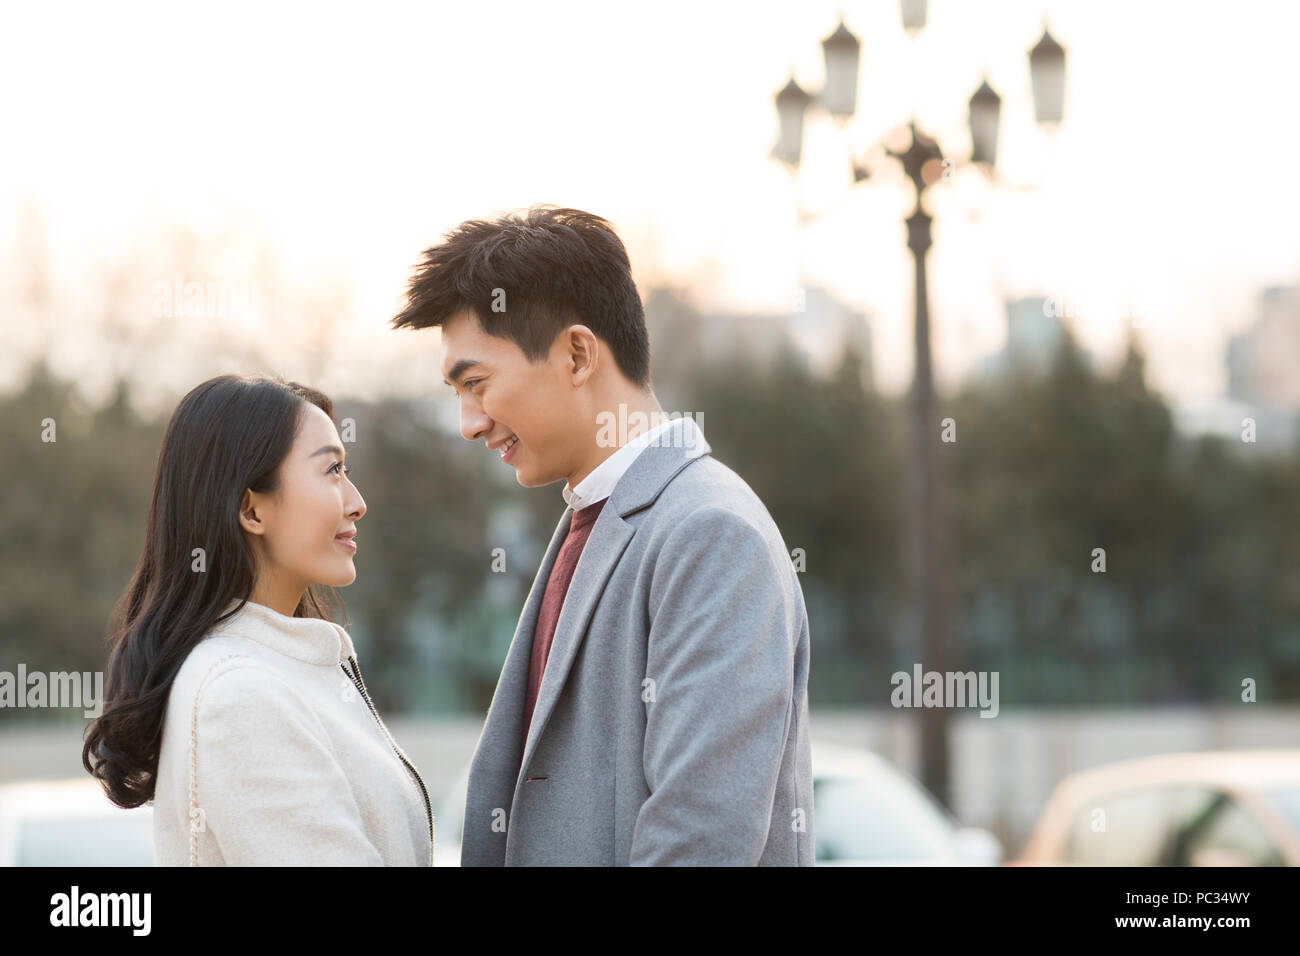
{"x": 924, "y": 164}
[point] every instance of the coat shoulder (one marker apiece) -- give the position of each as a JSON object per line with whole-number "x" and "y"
{"x": 708, "y": 487}
{"x": 215, "y": 656}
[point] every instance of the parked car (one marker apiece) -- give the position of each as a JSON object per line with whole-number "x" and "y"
{"x": 865, "y": 813}
{"x": 71, "y": 823}
{"x": 1213, "y": 808}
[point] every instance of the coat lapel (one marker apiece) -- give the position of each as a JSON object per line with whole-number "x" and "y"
{"x": 637, "y": 489}
{"x": 609, "y": 537}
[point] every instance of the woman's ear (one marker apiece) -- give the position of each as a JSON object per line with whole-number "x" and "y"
{"x": 249, "y": 518}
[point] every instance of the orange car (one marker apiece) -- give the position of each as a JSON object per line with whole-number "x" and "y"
{"x": 1213, "y": 808}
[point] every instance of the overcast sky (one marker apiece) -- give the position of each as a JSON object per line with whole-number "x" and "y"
{"x": 347, "y": 139}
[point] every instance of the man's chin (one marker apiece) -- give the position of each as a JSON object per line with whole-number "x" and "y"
{"x": 527, "y": 480}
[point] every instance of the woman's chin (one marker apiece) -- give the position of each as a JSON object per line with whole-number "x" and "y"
{"x": 340, "y": 580}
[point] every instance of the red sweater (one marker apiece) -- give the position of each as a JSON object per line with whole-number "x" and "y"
{"x": 557, "y": 586}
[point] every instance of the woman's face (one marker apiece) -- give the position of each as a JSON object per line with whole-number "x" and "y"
{"x": 296, "y": 531}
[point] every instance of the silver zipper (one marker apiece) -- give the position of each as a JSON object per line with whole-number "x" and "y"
{"x": 356, "y": 679}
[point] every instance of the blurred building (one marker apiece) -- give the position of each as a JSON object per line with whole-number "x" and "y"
{"x": 1224, "y": 416}
{"x": 825, "y": 328}
{"x": 1035, "y": 331}
{"x": 818, "y": 326}
{"x": 1263, "y": 360}
{"x": 1263, "y": 381}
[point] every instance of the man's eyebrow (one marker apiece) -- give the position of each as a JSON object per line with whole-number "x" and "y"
{"x": 460, "y": 368}
{"x": 334, "y": 448}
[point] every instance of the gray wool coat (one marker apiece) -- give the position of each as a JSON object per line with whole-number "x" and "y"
{"x": 671, "y": 725}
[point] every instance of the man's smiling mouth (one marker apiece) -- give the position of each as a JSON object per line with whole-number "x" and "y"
{"x": 505, "y": 447}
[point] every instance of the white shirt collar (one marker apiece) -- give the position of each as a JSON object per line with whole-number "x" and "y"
{"x": 600, "y": 483}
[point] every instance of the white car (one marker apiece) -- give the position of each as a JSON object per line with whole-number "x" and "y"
{"x": 71, "y": 823}
{"x": 865, "y": 813}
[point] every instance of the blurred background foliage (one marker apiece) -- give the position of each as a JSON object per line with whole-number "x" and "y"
{"x": 1202, "y": 582}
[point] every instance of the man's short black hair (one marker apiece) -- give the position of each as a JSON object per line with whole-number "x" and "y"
{"x": 528, "y": 277}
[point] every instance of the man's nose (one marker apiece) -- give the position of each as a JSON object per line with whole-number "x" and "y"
{"x": 473, "y": 423}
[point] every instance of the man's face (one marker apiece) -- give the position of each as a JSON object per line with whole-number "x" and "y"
{"x": 504, "y": 396}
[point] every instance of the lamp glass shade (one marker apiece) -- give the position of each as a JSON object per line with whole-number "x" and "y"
{"x": 985, "y": 108}
{"x": 791, "y": 103}
{"x": 913, "y": 14}
{"x": 1047, "y": 73}
{"x": 842, "y": 51}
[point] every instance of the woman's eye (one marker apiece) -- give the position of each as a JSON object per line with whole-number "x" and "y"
{"x": 347, "y": 469}
{"x": 471, "y": 382}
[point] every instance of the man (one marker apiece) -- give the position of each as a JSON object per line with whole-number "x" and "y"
{"x": 653, "y": 705}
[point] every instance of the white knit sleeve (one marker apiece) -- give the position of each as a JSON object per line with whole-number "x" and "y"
{"x": 266, "y": 783}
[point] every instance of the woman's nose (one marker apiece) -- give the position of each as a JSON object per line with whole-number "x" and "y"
{"x": 358, "y": 505}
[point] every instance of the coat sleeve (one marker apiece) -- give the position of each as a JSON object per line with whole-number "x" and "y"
{"x": 270, "y": 790}
{"x": 721, "y": 657}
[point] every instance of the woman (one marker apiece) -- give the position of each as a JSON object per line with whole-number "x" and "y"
{"x": 234, "y": 703}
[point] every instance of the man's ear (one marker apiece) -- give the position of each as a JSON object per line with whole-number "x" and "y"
{"x": 249, "y": 518}
{"x": 583, "y": 353}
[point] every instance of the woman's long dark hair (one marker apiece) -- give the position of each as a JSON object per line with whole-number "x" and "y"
{"x": 228, "y": 435}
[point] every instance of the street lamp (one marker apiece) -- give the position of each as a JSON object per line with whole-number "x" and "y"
{"x": 922, "y": 161}
{"x": 839, "y": 97}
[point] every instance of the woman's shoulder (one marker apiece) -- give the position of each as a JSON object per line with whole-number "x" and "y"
{"x": 228, "y": 694}
{"x": 221, "y": 663}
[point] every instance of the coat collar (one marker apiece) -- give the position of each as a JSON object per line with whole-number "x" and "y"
{"x": 606, "y": 475}
{"x": 669, "y": 453}
{"x": 309, "y": 639}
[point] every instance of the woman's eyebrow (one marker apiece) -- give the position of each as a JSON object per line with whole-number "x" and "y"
{"x": 334, "y": 448}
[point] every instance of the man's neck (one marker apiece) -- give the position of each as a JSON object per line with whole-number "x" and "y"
{"x": 621, "y": 421}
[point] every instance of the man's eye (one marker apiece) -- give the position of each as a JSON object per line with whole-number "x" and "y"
{"x": 471, "y": 382}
